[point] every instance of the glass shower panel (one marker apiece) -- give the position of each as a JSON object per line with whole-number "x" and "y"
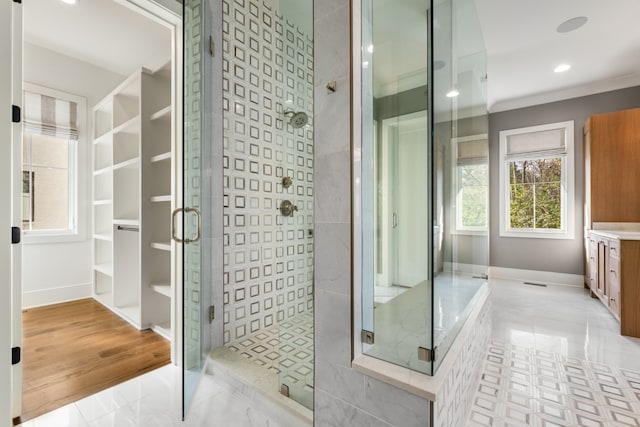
{"x": 460, "y": 162}
{"x": 395, "y": 180}
{"x": 293, "y": 33}
{"x": 196, "y": 198}
{"x": 268, "y": 195}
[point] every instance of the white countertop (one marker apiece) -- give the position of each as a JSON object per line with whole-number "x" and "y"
{"x": 617, "y": 234}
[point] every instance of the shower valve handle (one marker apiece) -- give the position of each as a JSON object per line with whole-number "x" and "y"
{"x": 287, "y": 208}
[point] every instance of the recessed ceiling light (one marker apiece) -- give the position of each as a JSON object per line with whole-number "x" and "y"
{"x": 69, "y": 1}
{"x": 562, "y": 68}
{"x": 572, "y": 24}
{"x": 452, "y": 93}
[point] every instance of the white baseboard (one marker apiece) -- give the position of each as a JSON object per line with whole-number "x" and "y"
{"x": 546, "y": 277}
{"x": 464, "y": 268}
{"x": 56, "y": 295}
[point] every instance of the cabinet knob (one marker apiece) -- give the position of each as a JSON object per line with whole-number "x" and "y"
{"x": 612, "y": 270}
{"x": 613, "y": 300}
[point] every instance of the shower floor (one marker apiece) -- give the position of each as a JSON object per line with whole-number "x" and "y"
{"x": 402, "y": 324}
{"x": 285, "y": 349}
{"x": 275, "y": 356}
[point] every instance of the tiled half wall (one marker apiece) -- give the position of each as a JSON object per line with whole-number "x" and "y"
{"x": 268, "y": 258}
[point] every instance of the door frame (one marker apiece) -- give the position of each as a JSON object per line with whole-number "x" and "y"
{"x": 10, "y": 213}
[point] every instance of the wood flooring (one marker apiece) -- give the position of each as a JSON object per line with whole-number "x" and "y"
{"x": 75, "y": 349}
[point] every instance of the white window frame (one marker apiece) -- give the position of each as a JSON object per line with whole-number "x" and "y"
{"x": 77, "y": 176}
{"x": 567, "y": 201}
{"x": 455, "y": 196}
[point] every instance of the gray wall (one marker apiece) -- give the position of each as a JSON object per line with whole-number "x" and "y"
{"x": 560, "y": 256}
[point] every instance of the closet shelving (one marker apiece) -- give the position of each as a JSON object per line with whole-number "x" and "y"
{"x": 133, "y": 199}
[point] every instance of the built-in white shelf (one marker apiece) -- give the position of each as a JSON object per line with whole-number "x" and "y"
{"x": 124, "y": 221}
{"x": 105, "y": 298}
{"x": 105, "y": 237}
{"x": 127, "y": 163}
{"x": 134, "y": 273}
{"x": 162, "y": 288}
{"x": 161, "y": 157}
{"x": 163, "y": 329}
{"x": 130, "y": 125}
{"x": 104, "y": 138}
{"x": 163, "y": 246}
{"x": 106, "y": 269}
{"x": 131, "y": 312}
{"x": 164, "y": 113}
{"x": 157, "y": 199}
{"x": 101, "y": 171}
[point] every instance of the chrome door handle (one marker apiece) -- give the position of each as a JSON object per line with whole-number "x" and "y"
{"x": 174, "y": 236}
{"x": 199, "y": 226}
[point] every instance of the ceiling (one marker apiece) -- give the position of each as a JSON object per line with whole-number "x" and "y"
{"x": 100, "y": 32}
{"x": 522, "y": 45}
{"x": 523, "y": 48}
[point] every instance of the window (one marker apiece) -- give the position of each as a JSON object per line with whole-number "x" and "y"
{"x": 49, "y": 163}
{"x": 471, "y": 183}
{"x": 536, "y": 181}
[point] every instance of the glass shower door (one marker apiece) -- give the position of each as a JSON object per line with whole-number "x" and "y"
{"x": 196, "y": 197}
{"x": 294, "y": 217}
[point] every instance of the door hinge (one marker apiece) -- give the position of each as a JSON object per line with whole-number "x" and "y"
{"x": 15, "y": 355}
{"x": 368, "y": 337}
{"x": 15, "y": 114}
{"x": 15, "y": 235}
{"x": 212, "y": 313}
{"x": 212, "y": 46}
{"x": 427, "y": 355}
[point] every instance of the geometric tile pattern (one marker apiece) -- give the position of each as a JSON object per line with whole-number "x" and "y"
{"x": 268, "y": 258}
{"x": 455, "y": 396}
{"x": 286, "y": 349}
{"x": 523, "y": 386}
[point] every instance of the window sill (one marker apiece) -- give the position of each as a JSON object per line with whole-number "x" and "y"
{"x": 537, "y": 235}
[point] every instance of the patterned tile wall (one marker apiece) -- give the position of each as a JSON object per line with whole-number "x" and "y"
{"x": 455, "y": 400}
{"x": 268, "y": 258}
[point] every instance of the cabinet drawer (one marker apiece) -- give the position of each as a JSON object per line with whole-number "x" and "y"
{"x": 614, "y": 249}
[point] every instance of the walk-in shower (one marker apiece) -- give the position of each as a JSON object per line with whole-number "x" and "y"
{"x": 267, "y": 103}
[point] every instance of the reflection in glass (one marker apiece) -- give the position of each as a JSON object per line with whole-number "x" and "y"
{"x": 424, "y": 176}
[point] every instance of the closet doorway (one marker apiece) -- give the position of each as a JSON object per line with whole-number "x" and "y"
{"x": 101, "y": 146}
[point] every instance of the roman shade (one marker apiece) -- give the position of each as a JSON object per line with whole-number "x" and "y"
{"x": 537, "y": 144}
{"x": 50, "y": 116}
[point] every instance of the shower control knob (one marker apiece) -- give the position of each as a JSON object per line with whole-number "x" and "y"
{"x": 286, "y": 182}
{"x": 287, "y": 208}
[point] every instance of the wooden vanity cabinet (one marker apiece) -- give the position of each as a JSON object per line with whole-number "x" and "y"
{"x": 614, "y": 278}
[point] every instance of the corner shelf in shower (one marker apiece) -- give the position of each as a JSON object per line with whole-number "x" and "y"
{"x": 132, "y": 204}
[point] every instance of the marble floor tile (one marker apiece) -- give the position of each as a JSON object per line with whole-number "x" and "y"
{"x": 557, "y": 358}
{"x": 153, "y": 399}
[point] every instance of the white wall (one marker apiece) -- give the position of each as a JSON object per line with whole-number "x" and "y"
{"x": 61, "y": 271}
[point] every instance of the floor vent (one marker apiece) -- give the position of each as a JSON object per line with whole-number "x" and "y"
{"x": 544, "y": 285}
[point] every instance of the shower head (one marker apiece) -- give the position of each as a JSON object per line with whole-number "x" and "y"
{"x": 297, "y": 119}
